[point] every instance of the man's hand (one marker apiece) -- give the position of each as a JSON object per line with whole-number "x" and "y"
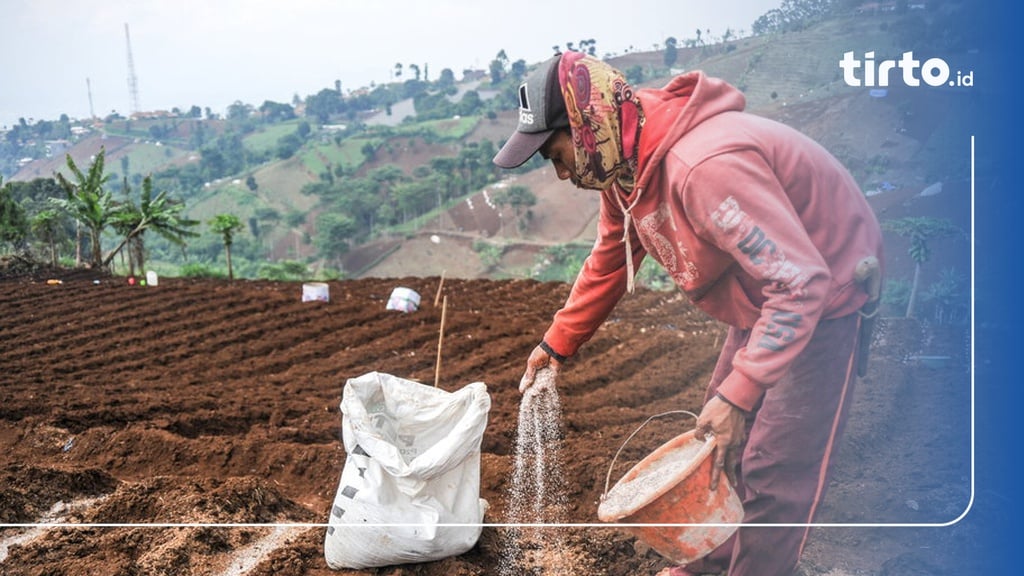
{"x": 538, "y": 359}
{"x": 728, "y": 425}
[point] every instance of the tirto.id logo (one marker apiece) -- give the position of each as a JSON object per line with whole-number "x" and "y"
{"x": 933, "y": 71}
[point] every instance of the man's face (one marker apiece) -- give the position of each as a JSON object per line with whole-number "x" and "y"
{"x": 560, "y": 151}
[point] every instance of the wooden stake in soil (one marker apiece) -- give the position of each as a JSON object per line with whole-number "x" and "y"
{"x": 440, "y": 341}
{"x": 440, "y": 284}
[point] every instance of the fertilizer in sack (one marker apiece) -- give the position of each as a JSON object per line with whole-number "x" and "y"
{"x": 410, "y": 486}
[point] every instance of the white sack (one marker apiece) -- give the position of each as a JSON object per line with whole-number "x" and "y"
{"x": 413, "y": 461}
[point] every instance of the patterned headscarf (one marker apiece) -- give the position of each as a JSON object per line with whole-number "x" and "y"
{"x": 605, "y": 117}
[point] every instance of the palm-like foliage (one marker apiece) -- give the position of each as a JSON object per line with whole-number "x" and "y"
{"x": 226, "y": 225}
{"x": 919, "y": 230}
{"x": 87, "y": 202}
{"x": 159, "y": 214}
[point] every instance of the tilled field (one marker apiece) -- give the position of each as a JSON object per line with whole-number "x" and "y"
{"x": 160, "y": 414}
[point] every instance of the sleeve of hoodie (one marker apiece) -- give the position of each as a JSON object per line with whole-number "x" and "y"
{"x": 600, "y": 284}
{"x": 736, "y": 202}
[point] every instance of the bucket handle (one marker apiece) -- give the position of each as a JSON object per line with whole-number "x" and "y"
{"x": 608, "y": 478}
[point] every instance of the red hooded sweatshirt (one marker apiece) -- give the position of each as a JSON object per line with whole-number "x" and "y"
{"x": 757, "y": 223}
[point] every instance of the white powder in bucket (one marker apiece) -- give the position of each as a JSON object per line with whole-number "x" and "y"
{"x": 630, "y": 494}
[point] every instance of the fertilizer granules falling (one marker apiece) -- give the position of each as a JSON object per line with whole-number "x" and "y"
{"x": 537, "y": 492}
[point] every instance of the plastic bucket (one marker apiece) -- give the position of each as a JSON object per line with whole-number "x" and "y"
{"x": 404, "y": 299}
{"x": 671, "y": 488}
{"x": 315, "y": 292}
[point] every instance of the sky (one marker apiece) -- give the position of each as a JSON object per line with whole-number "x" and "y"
{"x": 56, "y": 54}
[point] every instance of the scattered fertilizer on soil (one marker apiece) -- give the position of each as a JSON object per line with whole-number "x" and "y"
{"x": 537, "y": 494}
{"x": 57, "y": 514}
{"x": 247, "y": 558}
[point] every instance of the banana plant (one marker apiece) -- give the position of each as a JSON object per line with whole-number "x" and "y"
{"x": 88, "y": 203}
{"x": 157, "y": 213}
{"x": 919, "y": 230}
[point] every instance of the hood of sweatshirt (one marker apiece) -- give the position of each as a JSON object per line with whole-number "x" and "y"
{"x": 671, "y": 112}
{"x": 676, "y": 109}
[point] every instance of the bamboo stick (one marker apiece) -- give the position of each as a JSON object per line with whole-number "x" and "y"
{"x": 440, "y": 341}
{"x": 440, "y": 284}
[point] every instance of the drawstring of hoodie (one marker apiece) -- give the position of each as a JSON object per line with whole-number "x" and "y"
{"x": 605, "y": 117}
{"x": 627, "y": 221}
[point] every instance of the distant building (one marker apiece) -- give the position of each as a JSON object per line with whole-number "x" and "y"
{"x": 56, "y": 147}
{"x": 153, "y": 114}
{"x": 876, "y": 7}
{"x": 469, "y": 75}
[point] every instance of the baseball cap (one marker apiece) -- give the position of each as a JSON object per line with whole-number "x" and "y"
{"x": 541, "y": 112}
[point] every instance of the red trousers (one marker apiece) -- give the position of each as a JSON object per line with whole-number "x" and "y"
{"x": 791, "y": 440}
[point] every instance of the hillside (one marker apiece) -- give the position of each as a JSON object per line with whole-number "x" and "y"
{"x": 896, "y": 146}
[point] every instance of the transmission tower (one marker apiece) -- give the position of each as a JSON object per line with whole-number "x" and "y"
{"x": 133, "y": 82}
{"x": 88, "y": 86}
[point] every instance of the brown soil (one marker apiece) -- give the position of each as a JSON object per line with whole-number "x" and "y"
{"x": 213, "y": 402}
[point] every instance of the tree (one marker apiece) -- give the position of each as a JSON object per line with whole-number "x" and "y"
{"x": 497, "y": 72}
{"x": 159, "y": 214}
{"x": 88, "y": 203}
{"x": 266, "y": 219}
{"x": 276, "y": 112}
{"x": 47, "y": 226}
{"x": 294, "y": 219}
{"x": 919, "y": 229}
{"x": 226, "y": 225}
{"x": 671, "y": 53}
{"x": 369, "y": 151}
{"x": 634, "y": 74}
{"x": 519, "y": 68}
{"x": 333, "y": 232}
{"x": 498, "y": 67}
{"x": 13, "y": 222}
{"x": 587, "y": 46}
{"x": 238, "y": 111}
{"x": 518, "y": 197}
{"x": 447, "y": 78}
{"x": 323, "y": 104}
{"x": 470, "y": 103}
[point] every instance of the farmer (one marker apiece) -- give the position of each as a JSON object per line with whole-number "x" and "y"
{"x": 763, "y": 229}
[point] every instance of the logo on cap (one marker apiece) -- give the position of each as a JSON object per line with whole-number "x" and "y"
{"x": 525, "y": 113}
